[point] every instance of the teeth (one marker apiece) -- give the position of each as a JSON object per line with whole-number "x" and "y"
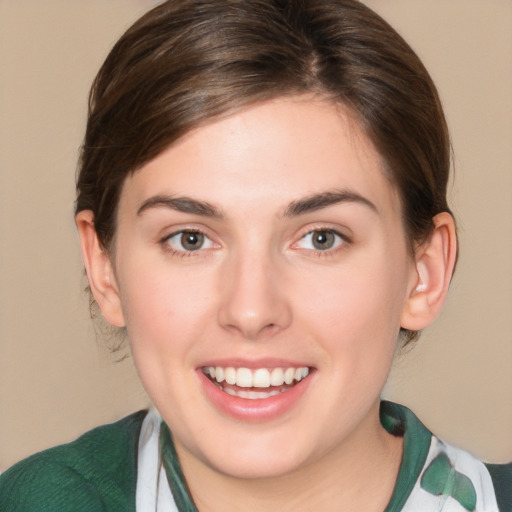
{"x": 230, "y": 375}
{"x": 277, "y": 377}
{"x": 252, "y": 394}
{"x": 243, "y": 377}
{"x": 289, "y": 374}
{"x": 259, "y": 378}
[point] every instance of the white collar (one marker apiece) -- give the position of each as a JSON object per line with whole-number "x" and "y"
{"x": 153, "y": 493}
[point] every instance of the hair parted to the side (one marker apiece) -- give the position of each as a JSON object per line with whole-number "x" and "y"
{"x": 189, "y": 62}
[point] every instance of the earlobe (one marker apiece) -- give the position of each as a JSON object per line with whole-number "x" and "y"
{"x": 100, "y": 272}
{"x": 435, "y": 262}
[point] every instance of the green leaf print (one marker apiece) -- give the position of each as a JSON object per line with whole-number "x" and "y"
{"x": 441, "y": 479}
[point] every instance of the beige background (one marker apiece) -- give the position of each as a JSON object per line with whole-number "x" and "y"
{"x": 56, "y": 382}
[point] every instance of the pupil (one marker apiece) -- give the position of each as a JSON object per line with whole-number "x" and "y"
{"x": 192, "y": 241}
{"x": 323, "y": 240}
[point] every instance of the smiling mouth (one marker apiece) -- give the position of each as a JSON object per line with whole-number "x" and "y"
{"x": 255, "y": 384}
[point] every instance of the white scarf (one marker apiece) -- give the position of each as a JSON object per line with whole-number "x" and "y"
{"x": 153, "y": 493}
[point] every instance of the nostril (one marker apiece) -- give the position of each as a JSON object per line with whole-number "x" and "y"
{"x": 253, "y": 311}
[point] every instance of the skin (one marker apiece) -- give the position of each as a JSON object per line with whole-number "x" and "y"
{"x": 258, "y": 291}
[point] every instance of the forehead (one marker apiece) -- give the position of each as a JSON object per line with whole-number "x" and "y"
{"x": 279, "y": 150}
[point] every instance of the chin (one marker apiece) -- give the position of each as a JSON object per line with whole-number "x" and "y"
{"x": 252, "y": 454}
{"x": 258, "y": 467}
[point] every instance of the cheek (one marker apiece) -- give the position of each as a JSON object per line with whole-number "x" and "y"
{"x": 357, "y": 307}
{"x": 165, "y": 315}
{"x": 164, "y": 310}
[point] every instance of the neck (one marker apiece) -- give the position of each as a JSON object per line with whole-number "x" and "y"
{"x": 359, "y": 474}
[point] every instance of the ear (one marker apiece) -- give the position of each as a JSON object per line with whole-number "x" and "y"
{"x": 100, "y": 271}
{"x": 435, "y": 262}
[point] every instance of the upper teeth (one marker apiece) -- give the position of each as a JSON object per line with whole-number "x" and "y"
{"x": 259, "y": 378}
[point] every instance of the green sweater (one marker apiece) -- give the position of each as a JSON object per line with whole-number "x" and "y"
{"x": 98, "y": 472}
{"x": 95, "y": 473}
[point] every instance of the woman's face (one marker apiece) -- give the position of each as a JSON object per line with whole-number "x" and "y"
{"x": 263, "y": 270}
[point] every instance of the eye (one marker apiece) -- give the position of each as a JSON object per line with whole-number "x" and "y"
{"x": 188, "y": 241}
{"x": 320, "y": 240}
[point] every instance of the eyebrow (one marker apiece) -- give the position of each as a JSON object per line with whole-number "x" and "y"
{"x": 324, "y": 199}
{"x": 181, "y": 204}
{"x": 295, "y": 208}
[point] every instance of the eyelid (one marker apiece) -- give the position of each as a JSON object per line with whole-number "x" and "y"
{"x": 164, "y": 241}
{"x": 343, "y": 239}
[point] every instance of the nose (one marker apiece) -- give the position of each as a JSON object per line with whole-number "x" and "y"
{"x": 253, "y": 301}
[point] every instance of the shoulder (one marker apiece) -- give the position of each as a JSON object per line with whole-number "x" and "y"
{"x": 95, "y": 472}
{"x": 455, "y": 475}
{"x": 438, "y": 476}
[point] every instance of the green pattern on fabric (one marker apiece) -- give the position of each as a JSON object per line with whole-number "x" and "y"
{"x": 98, "y": 471}
{"x": 174, "y": 472}
{"x": 399, "y": 420}
{"x": 441, "y": 479}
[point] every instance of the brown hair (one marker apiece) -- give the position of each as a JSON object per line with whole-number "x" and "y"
{"x": 188, "y": 62}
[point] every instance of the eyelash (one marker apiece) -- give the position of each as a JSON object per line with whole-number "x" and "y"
{"x": 184, "y": 253}
{"x": 341, "y": 242}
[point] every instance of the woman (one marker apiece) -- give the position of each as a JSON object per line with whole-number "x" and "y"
{"x": 261, "y": 204}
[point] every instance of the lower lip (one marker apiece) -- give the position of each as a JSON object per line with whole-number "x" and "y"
{"x": 257, "y": 410}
